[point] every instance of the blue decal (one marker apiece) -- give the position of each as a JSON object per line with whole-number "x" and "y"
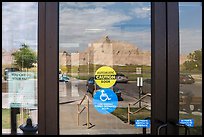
{"x": 105, "y": 101}
{"x": 142, "y": 123}
{"x": 187, "y": 122}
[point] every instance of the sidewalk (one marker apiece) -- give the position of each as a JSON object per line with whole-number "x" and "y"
{"x": 101, "y": 123}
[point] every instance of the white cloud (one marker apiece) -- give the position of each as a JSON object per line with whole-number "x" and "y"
{"x": 142, "y": 12}
{"x": 74, "y": 23}
{"x": 141, "y": 39}
{"x": 87, "y": 18}
{"x": 82, "y": 23}
{"x": 19, "y": 24}
{"x": 85, "y": 4}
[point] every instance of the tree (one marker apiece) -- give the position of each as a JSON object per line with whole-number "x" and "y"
{"x": 64, "y": 69}
{"x": 194, "y": 61}
{"x": 25, "y": 57}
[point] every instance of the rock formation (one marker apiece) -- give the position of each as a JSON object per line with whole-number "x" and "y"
{"x": 110, "y": 52}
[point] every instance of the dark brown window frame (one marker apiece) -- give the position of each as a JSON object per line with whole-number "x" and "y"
{"x": 48, "y": 44}
{"x": 165, "y": 68}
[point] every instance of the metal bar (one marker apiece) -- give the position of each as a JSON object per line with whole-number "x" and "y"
{"x": 139, "y": 109}
{"x": 128, "y": 113}
{"x": 14, "y": 112}
{"x": 41, "y": 68}
{"x": 77, "y": 114}
{"x": 21, "y": 116}
{"x": 172, "y": 67}
{"x": 82, "y": 99}
{"x": 148, "y": 94}
{"x": 88, "y": 113}
{"x": 158, "y": 63}
{"x": 82, "y": 110}
{"x": 139, "y": 97}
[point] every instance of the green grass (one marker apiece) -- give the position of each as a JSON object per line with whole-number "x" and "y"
{"x": 92, "y": 68}
{"x": 131, "y": 77}
{"x": 6, "y": 119}
{"x": 127, "y": 70}
{"x": 197, "y": 129}
{"x": 121, "y": 113}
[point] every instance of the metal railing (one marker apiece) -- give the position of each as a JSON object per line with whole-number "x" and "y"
{"x": 85, "y": 107}
{"x": 129, "y": 112}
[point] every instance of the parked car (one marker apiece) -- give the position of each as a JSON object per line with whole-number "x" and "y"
{"x": 63, "y": 78}
{"x": 121, "y": 78}
{"x": 186, "y": 79}
{"x": 146, "y": 86}
{"x": 7, "y": 70}
{"x": 91, "y": 87}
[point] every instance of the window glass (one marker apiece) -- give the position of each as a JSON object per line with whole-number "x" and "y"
{"x": 19, "y": 63}
{"x": 98, "y": 40}
{"x": 190, "y": 24}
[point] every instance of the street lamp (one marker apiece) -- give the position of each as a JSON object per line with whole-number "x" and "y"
{"x": 22, "y": 64}
{"x": 196, "y": 65}
{"x": 88, "y": 64}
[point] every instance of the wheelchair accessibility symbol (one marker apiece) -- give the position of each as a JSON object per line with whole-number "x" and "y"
{"x": 104, "y": 96}
{"x": 105, "y": 101}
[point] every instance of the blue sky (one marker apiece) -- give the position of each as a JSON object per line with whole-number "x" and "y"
{"x": 190, "y": 19}
{"x": 83, "y": 23}
{"x": 89, "y": 22}
{"x": 190, "y": 15}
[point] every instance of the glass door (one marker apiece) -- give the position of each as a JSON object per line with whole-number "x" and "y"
{"x": 191, "y": 66}
{"x": 104, "y": 67}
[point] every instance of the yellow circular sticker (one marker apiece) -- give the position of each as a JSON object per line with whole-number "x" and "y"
{"x": 105, "y": 77}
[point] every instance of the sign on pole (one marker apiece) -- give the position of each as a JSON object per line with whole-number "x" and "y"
{"x": 138, "y": 70}
{"x": 139, "y": 81}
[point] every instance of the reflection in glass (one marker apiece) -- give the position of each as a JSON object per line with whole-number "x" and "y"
{"x": 92, "y": 35}
{"x": 191, "y": 66}
{"x": 19, "y": 63}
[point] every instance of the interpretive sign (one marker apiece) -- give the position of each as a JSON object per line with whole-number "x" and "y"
{"x": 21, "y": 89}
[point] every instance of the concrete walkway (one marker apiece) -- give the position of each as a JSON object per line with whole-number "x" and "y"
{"x": 100, "y": 123}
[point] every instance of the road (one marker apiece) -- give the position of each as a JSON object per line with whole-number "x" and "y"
{"x": 75, "y": 89}
{"x": 130, "y": 91}
{"x": 195, "y": 89}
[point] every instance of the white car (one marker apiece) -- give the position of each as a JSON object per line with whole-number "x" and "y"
{"x": 63, "y": 78}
